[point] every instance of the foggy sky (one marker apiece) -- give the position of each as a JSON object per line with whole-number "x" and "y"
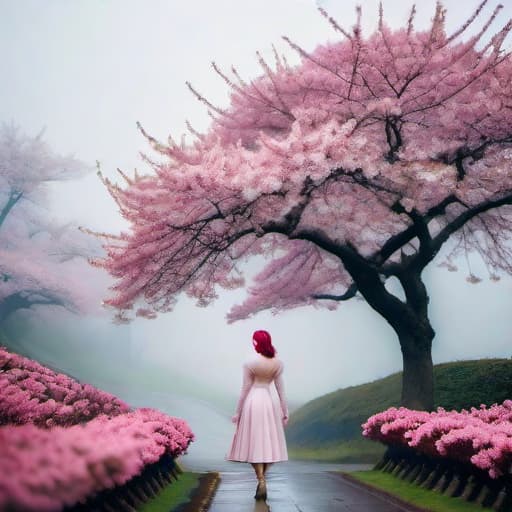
{"x": 87, "y": 70}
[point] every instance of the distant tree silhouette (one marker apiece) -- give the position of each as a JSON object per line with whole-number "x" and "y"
{"x": 42, "y": 263}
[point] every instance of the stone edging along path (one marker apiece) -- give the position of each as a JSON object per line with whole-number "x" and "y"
{"x": 379, "y": 492}
{"x": 448, "y": 477}
{"x": 133, "y": 493}
{"x": 142, "y": 488}
{"x": 202, "y": 496}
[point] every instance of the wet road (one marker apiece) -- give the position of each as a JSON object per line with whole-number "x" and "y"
{"x": 292, "y": 486}
{"x": 295, "y": 486}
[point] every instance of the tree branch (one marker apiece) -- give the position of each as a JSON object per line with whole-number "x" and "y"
{"x": 400, "y": 239}
{"x": 420, "y": 229}
{"x": 366, "y": 277}
{"x": 351, "y": 292}
{"x": 14, "y": 197}
{"x": 463, "y": 218}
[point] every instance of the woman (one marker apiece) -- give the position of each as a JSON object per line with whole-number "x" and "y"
{"x": 259, "y": 436}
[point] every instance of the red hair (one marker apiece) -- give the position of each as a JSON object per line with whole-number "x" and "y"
{"x": 263, "y": 343}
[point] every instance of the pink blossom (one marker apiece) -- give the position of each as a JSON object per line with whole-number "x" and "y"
{"x": 332, "y": 146}
{"x": 59, "y": 447}
{"x": 35, "y": 252}
{"x": 30, "y": 392}
{"x": 482, "y": 437}
{"x": 47, "y": 469}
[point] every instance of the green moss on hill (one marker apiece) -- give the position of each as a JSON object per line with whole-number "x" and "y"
{"x": 337, "y": 417}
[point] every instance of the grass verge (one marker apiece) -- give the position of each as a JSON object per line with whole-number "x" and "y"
{"x": 357, "y": 451}
{"x": 337, "y": 417}
{"x": 421, "y": 498}
{"x": 173, "y": 495}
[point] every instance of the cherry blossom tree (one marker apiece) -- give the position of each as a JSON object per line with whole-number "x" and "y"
{"x": 353, "y": 167}
{"x": 42, "y": 262}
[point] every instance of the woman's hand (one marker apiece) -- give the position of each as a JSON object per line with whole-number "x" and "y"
{"x": 235, "y": 418}
{"x": 285, "y": 420}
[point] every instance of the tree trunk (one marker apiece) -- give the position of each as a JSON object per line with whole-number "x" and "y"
{"x": 415, "y": 334}
{"x": 418, "y": 370}
{"x": 408, "y": 318}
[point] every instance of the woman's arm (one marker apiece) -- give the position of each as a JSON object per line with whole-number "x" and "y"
{"x": 248, "y": 379}
{"x": 278, "y": 381}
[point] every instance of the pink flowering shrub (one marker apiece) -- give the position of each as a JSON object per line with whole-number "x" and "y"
{"x": 67, "y": 441}
{"x": 390, "y": 426}
{"x": 481, "y": 437}
{"x": 494, "y": 414}
{"x": 425, "y": 437}
{"x": 32, "y": 393}
{"x": 48, "y": 469}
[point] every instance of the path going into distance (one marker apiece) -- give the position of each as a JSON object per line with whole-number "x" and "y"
{"x": 294, "y": 486}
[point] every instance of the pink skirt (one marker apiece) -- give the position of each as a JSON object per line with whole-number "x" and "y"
{"x": 259, "y": 434}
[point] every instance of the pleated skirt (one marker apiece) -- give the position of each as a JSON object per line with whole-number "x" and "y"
{"x": 259, "y": 434}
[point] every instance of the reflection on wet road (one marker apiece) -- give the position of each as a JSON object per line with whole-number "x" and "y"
{"x": 292, "y": 486}
{"x": 295, "y": 486}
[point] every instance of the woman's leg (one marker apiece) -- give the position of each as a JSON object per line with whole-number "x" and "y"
{"x": 266, "y": 465}
{"x": 258, "y": 469}
{"x": 261, "y": 490}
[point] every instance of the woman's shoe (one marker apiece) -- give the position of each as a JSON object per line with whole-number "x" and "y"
{"x": 258, "y": 490}
{"x": 261, "y": 490}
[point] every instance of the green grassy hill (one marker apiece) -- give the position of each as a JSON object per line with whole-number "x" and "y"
{"x": 329, "y": 427}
